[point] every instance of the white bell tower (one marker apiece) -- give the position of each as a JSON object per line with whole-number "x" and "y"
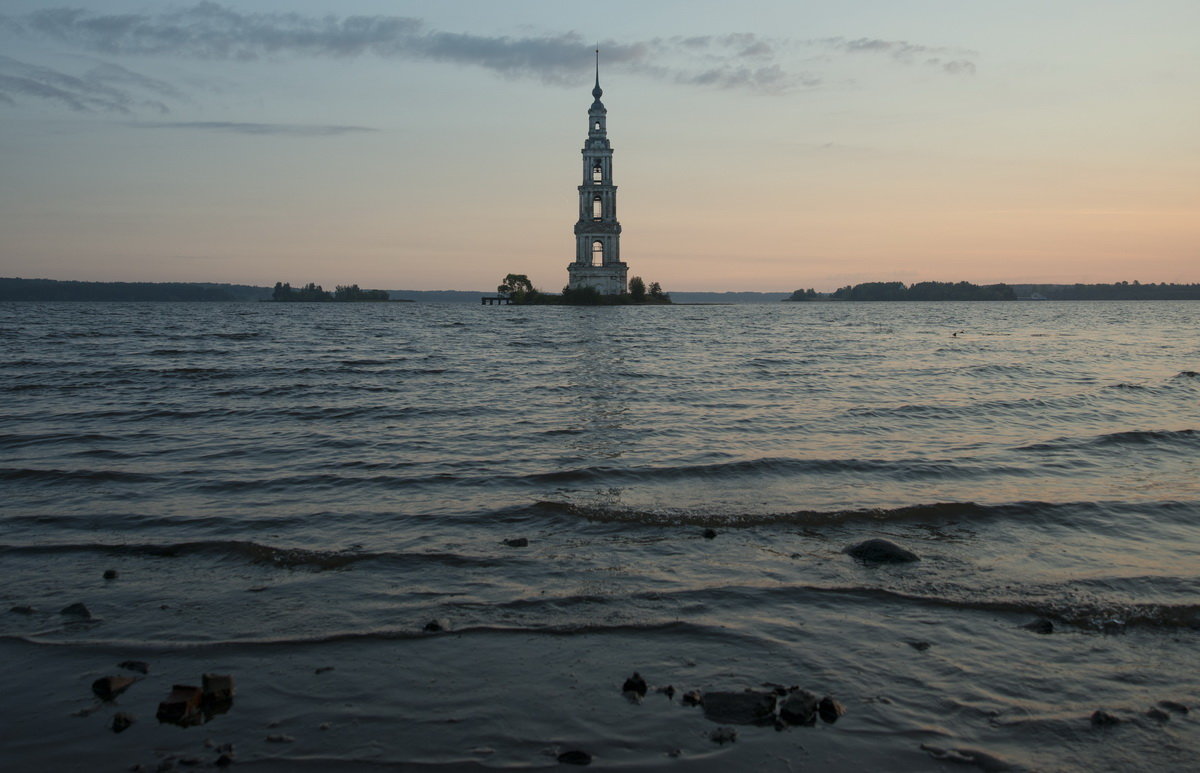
{"x": 597, "y": 232}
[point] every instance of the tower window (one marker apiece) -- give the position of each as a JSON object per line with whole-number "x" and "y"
{"x": 597, "y": 173}
{"x": 597, "y": 208}
{"x": 597, "y": 253}
{"x": 596, "y": 126}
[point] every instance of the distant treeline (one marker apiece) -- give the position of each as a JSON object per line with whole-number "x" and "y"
{"x": 1118, "y": 291}
{"x": 921, "y": 291}
{"x": 12, "y": 289}
{"x": 313, "y": 293}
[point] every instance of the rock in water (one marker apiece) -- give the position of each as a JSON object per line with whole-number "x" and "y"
{"x": 635, "y": 684}
{"x": 1041, "y": 625}
{"x": 740, "y": 708}
{"x": 181, "y": 706}
{"x": 110, "y": 574}
{"x": 709, "y": 534}
{"x": 575, "y": 757}
{"x": 121, "y": 722}
{"x": 1158, "y": 714}
{"x": 830, "y": 709}
{"x": 1101, "y": 718}
{"x": 517, "y": 542}
{"x": 692, "y": 698}
{"x": 22, "y": 609}
{"x": 217, "y": 687}
{"x": 723, "y": 735}
{"x": 77, "y": 610}
{"x": 1174, "y": 706}
{"x": 799, "y": 708}
{"x": 881, "y": 551}
{"x": 109, "y": 687}
{"x": 436, "y": 626}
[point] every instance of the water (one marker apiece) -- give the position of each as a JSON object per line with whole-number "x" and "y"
{"x": 285, "y": 488}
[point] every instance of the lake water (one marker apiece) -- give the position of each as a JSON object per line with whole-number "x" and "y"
{"x": 288, "y": 488}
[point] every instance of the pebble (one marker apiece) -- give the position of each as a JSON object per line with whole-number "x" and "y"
{"x": 635, "y": 684}
{"x": 575, "y": 757}
{"x": 723, "y": 735}
{"x": 881, "y": 551}
{"x": 517, "y": 542}
{"x": 108, "y": 687}
{"x": 919, "y": 646}
{"x": 799, "y": 708}
{"x": 692, "y": 698}
{"x": 830, "y": 709}
{"x": 741, "y": 708}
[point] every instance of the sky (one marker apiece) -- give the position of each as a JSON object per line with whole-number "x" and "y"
{"x": 764, "y": 145}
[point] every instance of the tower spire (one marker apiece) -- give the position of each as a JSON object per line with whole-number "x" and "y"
{"x": 597, "y": 92}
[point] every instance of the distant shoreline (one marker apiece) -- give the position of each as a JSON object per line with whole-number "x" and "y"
{"x": 43, "y": 290}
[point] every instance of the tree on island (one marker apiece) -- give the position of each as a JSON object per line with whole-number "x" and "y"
{"x": 518, "y": 288}
{"x": 803, "y": 295}
{"x": 520, "y": 291}
{"x": 637, "y": 289}
{"x": 313, "y": 292}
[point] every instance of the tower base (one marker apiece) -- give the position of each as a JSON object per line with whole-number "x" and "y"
{"x": 607, "y": 280}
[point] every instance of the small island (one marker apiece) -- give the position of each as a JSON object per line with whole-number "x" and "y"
{"x": 517, "y": 290}
{"x": 312, "y": 293}
{"x": 921, "y": 291}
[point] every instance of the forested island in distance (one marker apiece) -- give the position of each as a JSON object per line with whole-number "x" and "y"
{"x": 966, "y": 291}
{"x": 16, "y": 289}
{"x": 312, "y": 293}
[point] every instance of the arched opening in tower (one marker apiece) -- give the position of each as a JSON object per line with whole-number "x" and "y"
{"x": 597, "y": 208}
{"x": 597, "y": 253}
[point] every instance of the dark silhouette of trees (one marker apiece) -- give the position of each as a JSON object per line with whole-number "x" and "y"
{"x": 803, "y": 295}
{"x": 924, "y": 291}
{"x": 637, "y": 290}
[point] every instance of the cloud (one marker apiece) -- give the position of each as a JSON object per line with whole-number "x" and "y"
{"x": 212, "y": 31}
{"x": 286, "y": 129}
{"x": 103, "y": 88}
{"x": 905, "y": 52}
{"x": 209, "y": 30}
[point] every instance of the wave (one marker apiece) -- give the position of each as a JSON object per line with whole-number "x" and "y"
{"x": 75, "y": 476}
{"x": 1183, "y": 439}
{"x": 674, "y": 627}
{"x": 782, "y": 466}
{"x": 1063, "y": 513}
{"x": 257, "y": 553}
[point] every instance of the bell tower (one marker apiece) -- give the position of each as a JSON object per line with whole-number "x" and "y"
{"x": 597, "y": 232}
